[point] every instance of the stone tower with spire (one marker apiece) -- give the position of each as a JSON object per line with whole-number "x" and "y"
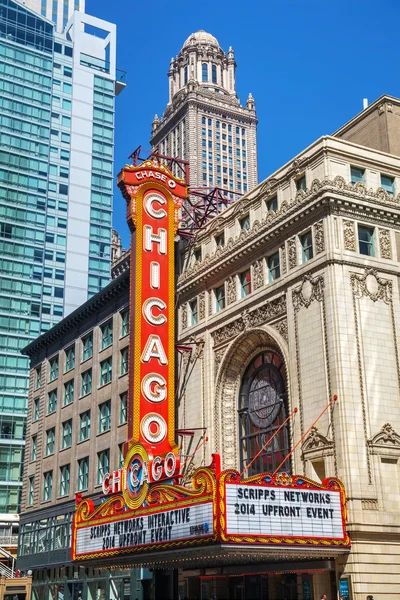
{"x": 204, "y": 121}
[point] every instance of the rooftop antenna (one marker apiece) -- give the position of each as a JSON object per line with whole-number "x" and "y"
{"x": 365, "y": 103}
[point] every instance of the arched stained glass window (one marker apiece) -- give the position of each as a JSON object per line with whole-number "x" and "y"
{"x": 204, "y": 70}
{"x": 262, "y": 410}
{"x": 214, "y": 73}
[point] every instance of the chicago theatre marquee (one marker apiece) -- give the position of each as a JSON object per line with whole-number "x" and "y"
{"x": 246, "y": 530}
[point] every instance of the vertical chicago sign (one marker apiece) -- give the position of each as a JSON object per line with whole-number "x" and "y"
{"x": 154, "y": 197}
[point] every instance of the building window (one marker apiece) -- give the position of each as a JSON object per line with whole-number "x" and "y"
{"x": 69, "y": 358}
{"x": 204, "y": 71}
{"x": 121, "y": 455}
{"x": 123, "y": 408}
{"x": 124, "y": 360}
{"x": 220, "y": 240}
{"x": 366, "y": 240}
{"x": 34, "y": 447}
{"x": 68, "y": 392}
{"x": 387, "y": 183}
{"x": 214, "y": 73}
{"x": 245, "y": 223}
{"x": 356, "y": 175}
{"x": 87, "y": 347}
{"x": 52, "y": 402}
{"x": 106, "y": 371}
{"x": 30, "y": 490}
{"x": 262, "y": 410}
{"x": 106, "y": 335}
{"x": 274, "y": 269}
{"x": 86, "y": 382}
{"x": 103, "y": 464}
{"x": 64, "y": 480}
{"x": 38, "y": 373}
{"x": 272, "y": 205}
{"x": 245, "y": 283}
{"x": 83, "y": 473}
{"x": 53, "y": 368}
{"x": 47, "y": 485}
{"x": 185, "y": 75}
{"x": 66, "y": 440}
{"x": 306, "y": 246}
{"x": 124, "y": 323}
{"x": 36, "y": 408}
{"x": 301, "y": 183}
{"x": 84, "y": 429}
{"x": 50, "y": 437}
{"x": 104, "y": 416}
{"x": 220, "y": 297}
{"x": 193, "y": 312}
{"x": 197, "y": 254}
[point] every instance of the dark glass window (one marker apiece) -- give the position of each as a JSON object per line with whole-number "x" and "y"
{"x": 366, "y": 240}
{"x": 262, "y": 410}
{"x": 204, "y": 70}
{"x": 214, "y": 74}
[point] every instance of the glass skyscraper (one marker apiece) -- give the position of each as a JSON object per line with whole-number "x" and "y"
{"x": 57, "y": 94}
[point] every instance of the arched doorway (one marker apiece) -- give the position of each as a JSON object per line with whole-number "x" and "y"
{"x": 262, "y": 410}
{"x": 239, "y": 363}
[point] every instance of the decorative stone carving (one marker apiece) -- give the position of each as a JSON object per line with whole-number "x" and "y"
{"x": 282, "y": 328}
{"x": 310, "y": 290}
{"x": 316, "y": 441}
{"x": 263, "y": 314}
{"x": 210, "y": 303}
{"x": 231, "y": 290}
{"x": 184, "y": 315}
{"x": 387, "y": 441}
{"x": 349, "y": 235}
{"x": 369, "y": 504}
{"x": 319, "y": 237}
{"x": 283, "y": 259}
{"x": 372, "y": 286}
{"x": 384, "y": 243}
{"x": 218, "y": 356}
{"x": 198, "y": 349}
{"x": 292, "y": 253}
{"x": 202, "y": 306}
{"x": 258, "y": 274}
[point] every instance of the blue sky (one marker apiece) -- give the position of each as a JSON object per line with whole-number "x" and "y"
{"x": 308, "y": 64}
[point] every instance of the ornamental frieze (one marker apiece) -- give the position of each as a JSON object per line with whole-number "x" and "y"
{"x": 319, "y": 237}
{"x": 384, "y": 243}
{"x": 349, "y": 235}
{"x": 258, "y": 274}
{"x": 248, "y": 319}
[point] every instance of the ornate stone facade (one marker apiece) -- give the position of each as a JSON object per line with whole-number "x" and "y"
{"x": 334, "y": 319}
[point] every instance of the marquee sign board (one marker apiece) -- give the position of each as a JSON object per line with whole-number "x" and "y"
{"x": 282, "y": 509}
{"x": 172, "y": 516}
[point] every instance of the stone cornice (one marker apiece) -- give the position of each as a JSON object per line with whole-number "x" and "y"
{"x": 337, "y": 196}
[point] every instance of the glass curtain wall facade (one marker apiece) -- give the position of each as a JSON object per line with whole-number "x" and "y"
{"x": 45, "y": 212}
{"x": 27, "y": 301}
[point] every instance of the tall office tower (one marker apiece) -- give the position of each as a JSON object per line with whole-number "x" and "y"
{"x": 56, "y": 175}
{"x": 204, "y": 121}
{"x": 58, "y": 11}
